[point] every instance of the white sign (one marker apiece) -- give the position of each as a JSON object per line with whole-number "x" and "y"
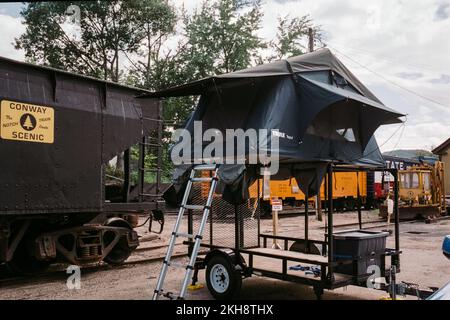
{"x": 277, "y": 205}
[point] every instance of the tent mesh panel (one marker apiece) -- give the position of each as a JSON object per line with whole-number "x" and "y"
{"x": 221, "y": 228}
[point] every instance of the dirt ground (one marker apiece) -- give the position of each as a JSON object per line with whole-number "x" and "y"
{"x": 422, "y": 262}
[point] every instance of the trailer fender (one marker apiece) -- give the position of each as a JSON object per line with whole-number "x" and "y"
{"x": 234, "y": 258}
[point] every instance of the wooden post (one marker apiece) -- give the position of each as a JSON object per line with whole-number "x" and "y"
{"x": 275, "y": 210}
{"x": 319, "y": 206}
{"x": 275, "y": 230}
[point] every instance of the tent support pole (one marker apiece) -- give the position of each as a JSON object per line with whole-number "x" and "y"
{"x": 330, "y": 223}
{"x": 358, "y": 201}
{"x": 306, "y": 222}
{"x": 397, "y": 220}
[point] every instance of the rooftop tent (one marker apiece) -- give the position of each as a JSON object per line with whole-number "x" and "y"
{"x": 323, "y": 112}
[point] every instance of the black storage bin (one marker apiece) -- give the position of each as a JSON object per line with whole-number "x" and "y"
{"x": 364, "y": 246}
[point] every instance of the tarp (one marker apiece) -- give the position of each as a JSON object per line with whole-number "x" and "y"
{"x": 321, "y": 111}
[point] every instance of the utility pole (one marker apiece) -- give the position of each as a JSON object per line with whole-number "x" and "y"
{"x": 311, "y": 39}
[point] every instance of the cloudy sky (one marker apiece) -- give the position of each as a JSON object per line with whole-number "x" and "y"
{"x": 400, "y": 49}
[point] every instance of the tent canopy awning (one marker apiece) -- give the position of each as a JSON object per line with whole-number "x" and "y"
{"x": 320, "y": 60}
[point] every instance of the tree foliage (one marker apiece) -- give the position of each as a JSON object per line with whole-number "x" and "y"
{"x": 107, "y": 30}
{"x": 292, "y": 34}
{"x": 152, "y": 45}
{"x": 222, "y": 36}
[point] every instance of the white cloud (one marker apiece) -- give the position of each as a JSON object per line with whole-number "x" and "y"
{"x": 394, "y": 38}
{"x": 10, "y": 28}
{"x": 404, "y": 41}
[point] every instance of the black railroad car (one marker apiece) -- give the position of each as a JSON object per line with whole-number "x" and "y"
{"x": 58, "y": 133}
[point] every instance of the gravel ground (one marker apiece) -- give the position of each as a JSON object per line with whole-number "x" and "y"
{"x": 422, "y": 262}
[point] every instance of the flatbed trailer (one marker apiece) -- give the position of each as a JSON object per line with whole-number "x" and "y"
{"x": 228, "y": 265}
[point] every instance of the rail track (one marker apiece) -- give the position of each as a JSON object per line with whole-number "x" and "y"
{"x": 381, "y": 223}
{"x": 58, "y": 271}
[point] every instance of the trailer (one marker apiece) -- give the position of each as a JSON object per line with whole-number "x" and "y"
{"x": 237, "y": 250}
{"x": 317, "y": 118}
{"x": 59, "y": 132}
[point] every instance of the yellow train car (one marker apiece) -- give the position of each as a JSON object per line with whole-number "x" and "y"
{"x": 345, "y": 193}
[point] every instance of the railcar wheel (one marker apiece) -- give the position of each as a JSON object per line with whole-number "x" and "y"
{"x": 24, "y": 263}
{"x": 223, "y": 280}
{"x": 121, "y": 251}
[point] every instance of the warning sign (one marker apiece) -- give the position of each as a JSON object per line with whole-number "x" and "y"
{"x": 26, "y": 122}
{"x": 277, "y": 204}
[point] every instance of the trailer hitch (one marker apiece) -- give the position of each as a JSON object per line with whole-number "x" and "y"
{"x": 405, "y": 288}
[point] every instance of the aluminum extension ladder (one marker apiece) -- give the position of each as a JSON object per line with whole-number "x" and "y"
{"x": 159, "y": 291}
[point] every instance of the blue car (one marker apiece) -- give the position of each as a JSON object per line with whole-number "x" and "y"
{"x": 444, "y": 292}
{"x": 446, "y": 247}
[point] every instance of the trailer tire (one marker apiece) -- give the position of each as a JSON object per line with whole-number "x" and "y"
{"x": 223, "y": 280}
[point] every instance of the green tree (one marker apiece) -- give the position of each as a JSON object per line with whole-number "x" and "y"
{"x": 222, "y": 37}
{"x": 156, "y": 65}
{"x": 292, "y": 36}
{"x": 107, "y": 29}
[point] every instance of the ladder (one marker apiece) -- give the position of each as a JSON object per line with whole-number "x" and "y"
{"x": 159, "y": 291}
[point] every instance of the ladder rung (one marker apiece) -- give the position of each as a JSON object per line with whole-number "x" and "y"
{"x": 193, "y": 207}
{"x": 185, "y": 235}
{"x": 205, "y": 167}
{"x": 202, "y": 179}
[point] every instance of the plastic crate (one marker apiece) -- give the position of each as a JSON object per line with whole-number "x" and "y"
{"x": 364, "y": 247}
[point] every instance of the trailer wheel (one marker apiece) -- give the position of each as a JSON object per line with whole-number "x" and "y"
{"x": 300, "y": 246}
{"x": 223, "y": 280}
{"x": 121, "y": 250}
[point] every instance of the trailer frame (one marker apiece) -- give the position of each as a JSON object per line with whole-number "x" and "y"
{"x": 328, "y": 278}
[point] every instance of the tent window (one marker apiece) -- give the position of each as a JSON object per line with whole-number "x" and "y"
{"x": 320, "y": 76}
{"x": 340, "y": 82}
{"x": 348, "y": 134}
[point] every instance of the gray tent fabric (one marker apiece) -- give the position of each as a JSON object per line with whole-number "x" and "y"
{"x": 320, "y": 60}
{"x": 312, "y": 118}
{"x": 321, "y": 111}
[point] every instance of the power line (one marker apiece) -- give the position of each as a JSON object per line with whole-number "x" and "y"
{"x": 368, "y": 53}
{"x": 378, "y": 148}
{"x": 390, "y": 81}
